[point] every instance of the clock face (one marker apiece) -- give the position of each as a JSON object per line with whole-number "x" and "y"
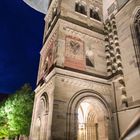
{"x": 74, "y": 52}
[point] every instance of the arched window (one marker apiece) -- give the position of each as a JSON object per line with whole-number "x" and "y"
{"x": 89, "y": 58}
{"x": 135, "y": 26}
{"x": 94, "y": 13}
{"x": 54, "y": 13}
{"x": 80, "y": 8}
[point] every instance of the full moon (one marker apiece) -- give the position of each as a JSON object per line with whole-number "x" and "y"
{"x": 39, "y": 5}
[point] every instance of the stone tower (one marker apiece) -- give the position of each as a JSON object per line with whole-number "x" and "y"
{"x": 81, "y": 91}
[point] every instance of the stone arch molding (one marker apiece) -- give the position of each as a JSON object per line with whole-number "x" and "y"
{"x": 134, "y": 13}
{"x": 72, "y": 110}
{"x": 134, "y": 36}
{"x": 41, "y": 118}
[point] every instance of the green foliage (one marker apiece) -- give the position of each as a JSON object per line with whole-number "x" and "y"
{"x": 16, "y": 113}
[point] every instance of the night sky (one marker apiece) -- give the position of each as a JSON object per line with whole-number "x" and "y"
{"x": 21, "y": 33}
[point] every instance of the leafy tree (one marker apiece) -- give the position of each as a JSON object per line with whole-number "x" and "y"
{"x": 3, "y": 122}
{"x": 16, "y": 113}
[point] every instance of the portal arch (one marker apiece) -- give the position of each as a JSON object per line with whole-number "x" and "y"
{"x": 88, "y": 115}
{"x": 41, "y": 118}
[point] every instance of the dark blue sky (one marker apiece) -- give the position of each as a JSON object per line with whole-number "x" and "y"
{"x": 21, "y": 33}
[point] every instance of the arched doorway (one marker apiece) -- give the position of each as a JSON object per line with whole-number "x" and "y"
{"x": 41, "y": 118}
{"x": 89, "y": 117}
{"x": 92, "y": 120}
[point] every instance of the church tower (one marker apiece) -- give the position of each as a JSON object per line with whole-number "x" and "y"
{"x": 80, "y": 73}
{"x": 73, "y": 98}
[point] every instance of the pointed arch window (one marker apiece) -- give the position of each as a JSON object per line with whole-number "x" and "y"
{"x": 136, "y": 36}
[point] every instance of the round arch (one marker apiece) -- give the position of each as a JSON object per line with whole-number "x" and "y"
{"x": 41, "y": 117}
{"x": 134, "y": 25}
{"x": 74, "y": 103}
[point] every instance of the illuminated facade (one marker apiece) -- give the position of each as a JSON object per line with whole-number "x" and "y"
{"x": 88, "y": 84}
